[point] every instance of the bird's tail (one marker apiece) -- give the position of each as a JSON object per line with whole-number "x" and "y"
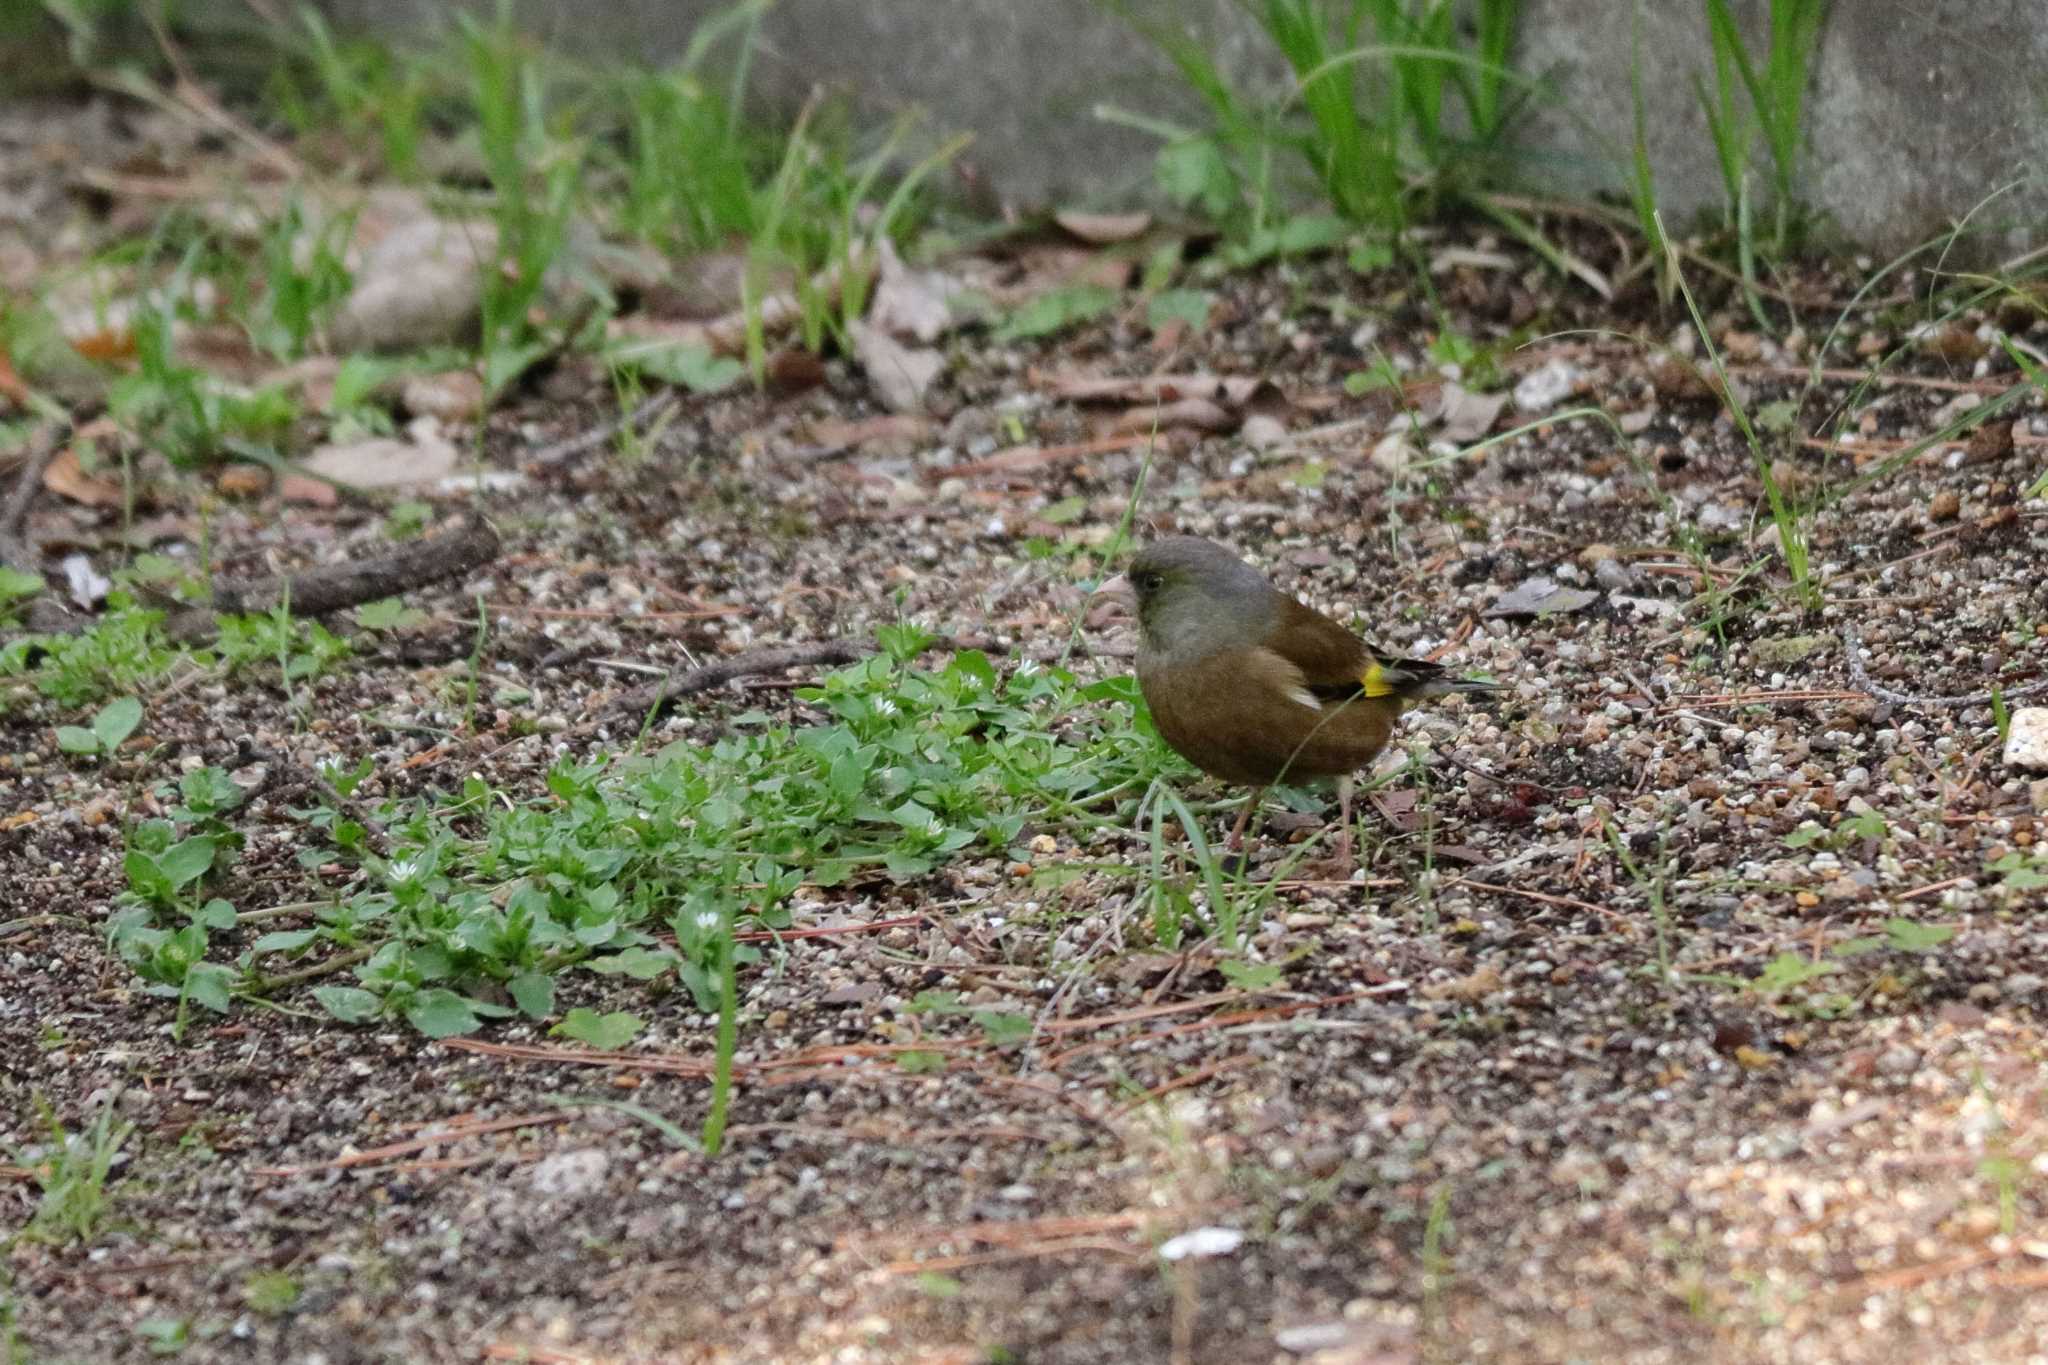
{"x": 1416, "y": 679}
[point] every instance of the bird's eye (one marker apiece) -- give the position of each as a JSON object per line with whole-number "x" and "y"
{"x": 1146, "y": 581}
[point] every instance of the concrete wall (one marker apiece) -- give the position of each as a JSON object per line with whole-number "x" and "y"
{"x": 1919, "y": 108}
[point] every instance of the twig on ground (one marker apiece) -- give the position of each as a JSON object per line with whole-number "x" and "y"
{"x": 42, "y": 448}
{"x": 1859, "y": 674}
{"x": 350, "y": 583}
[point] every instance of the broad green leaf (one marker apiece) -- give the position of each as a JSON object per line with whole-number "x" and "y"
{"x": 348, "y": 1004}
{"x": 602, "y": 1031}
{"x": 534, "y": 993}
{"x": 116, "y": 721}
{"x": 440, "y": 1013}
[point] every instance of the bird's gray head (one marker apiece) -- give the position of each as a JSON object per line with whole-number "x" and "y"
{"x": 1194, "y": 596}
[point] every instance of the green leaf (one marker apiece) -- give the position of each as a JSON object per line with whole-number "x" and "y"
{"x": 1002, "y": 1028}
{"x": 1195, "y": 171}
{"x": 74, "y": 740}
{"x": 116, "y": 721}
{"x": 1381, "y": 374}
{"x": 641, "y": 964}
{"x": 1777, "y": 417}
{"x": 15, "y": 585}
{"x": 603, "y": 1031}
{"x": 1788, "y": 971}
{"x": 284, "y": 941}
{"x": 211, "y": 984}
{"x": 348, "y": 1004}
{"x": 186, "y": 861}
{"x": 1371, "y": 255}
{"x": 1911, "y": 936}
{"x": 1251, "y": 976}
{"x": 1065, "y": 510}
{"x": 440, "y": 1013}
{"x": 388, "y": 614}
{"x": 1056, "y": 310}
{"x": 919, "y": 1061}
{"x": 686, "y": 363}
{"x": 534, "y": 993}
{"x": 1188, "y": 306}
{"x": 936, "y": 1286}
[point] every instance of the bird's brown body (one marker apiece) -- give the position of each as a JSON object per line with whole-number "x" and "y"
{"x": 1259, "y": 715}
{"x": 1250, "y": 685}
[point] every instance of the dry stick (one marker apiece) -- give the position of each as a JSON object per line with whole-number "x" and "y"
{"x": 688, "y": 681}
{"x": 41, "y": 449}
{"x": 1860, "y": 675}
{"x": 350, "y": 583}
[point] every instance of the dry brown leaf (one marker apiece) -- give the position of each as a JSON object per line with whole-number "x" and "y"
{"x": 1230, "y": 391}
{"x": 11, "y": 387}
{"x": 65, "y": 477}
{"x": 305, "y": 491}
{"x": 836, "y": 433}
{"x": 1199, "y": 414}
{"x": 901, "y": 375}
{"x": 243, "y": 481}
{"x": 108, "y": 345}
{"x": 422, "y": 457}
{"x": 1467, "y": 416}
{"x": 910, "y": 303}
{"x": 1102, "y": 229}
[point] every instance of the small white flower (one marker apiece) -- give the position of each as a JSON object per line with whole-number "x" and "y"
{"x": 402, "y": 871}
{"x": 1028, "y": 668}
{"x": 707, "y": 921}
{"x": 885, "y": 707}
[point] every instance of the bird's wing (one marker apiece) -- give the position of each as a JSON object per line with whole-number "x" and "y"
{"x": 1337, "y": 666}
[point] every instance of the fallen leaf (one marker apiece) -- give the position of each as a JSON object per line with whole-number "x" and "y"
{"x": 836, "y": 433}
{"x": 422, "y": 456}
{"x": 1198, "y": 414}
{"x": 1541, "y": 596}
{"x": 65, "y": 477}
{"x": 901, "y": 375}
{"x": 451, "y": 396}
{"x": 1467, "y": 416}
{"x": 911, "y": 303}
{"x": 11, "y": 387}
{"x": 243, "y": 481}
{"x": 1102, "y": 229}
{"x": 305, "y": 491}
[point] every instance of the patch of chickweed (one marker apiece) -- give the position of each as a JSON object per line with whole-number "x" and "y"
{"x": 640, "y": 865}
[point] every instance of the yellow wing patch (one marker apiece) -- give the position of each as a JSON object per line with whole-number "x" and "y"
{"x": 1375, "y": 681}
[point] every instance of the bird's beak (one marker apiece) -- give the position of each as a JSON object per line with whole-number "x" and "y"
{"x": 1113, "y": 599}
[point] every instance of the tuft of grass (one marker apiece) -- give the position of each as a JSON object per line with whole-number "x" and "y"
{"x": 71, "y": 1171}
{"x": 1396, "y": 103}
{"x": 1791, "y": 530}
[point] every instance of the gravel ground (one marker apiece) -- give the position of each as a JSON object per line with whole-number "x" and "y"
{"x": 1521, "y": 1093}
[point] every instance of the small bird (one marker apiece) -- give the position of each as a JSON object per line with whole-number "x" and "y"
{"x": 1251, "y": 685}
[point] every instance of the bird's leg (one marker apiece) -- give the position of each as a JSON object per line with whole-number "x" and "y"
{"x": 1236, "y": 842}
{"x": 1343, "y": 856}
